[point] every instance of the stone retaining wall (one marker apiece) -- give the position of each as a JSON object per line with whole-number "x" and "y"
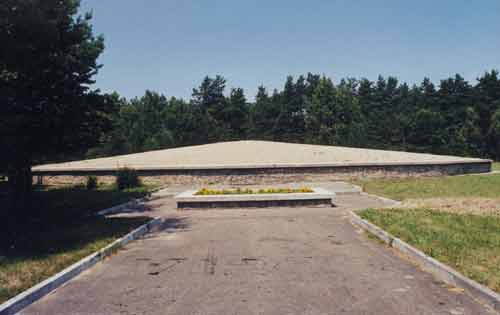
{"x": 256, "y": 176}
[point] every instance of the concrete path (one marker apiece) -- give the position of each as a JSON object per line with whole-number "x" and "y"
{"x": 273, "y": 261}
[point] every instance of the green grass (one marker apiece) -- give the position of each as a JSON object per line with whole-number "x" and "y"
{"x": 486, "y": 186}
{"x": 53, "y": 250}
{"x": 496, "y": 166}
{"x": 57, "y": 231}
{"x": 77, "y": 199}
{"x": 468, "y": 243}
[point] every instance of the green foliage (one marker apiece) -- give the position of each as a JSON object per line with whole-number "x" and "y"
{"x": 209, "y": 102}
{"x": 468, "y": 243}
{"x": 453, "y": 118}
{"x": 494, "y": 134}
{"x": 263, "y": 114}
{"x": 91, "y": 182}
{"x": 333, "y": 114}
{"x": 425, "y": 131}
{"x": 290, "y": 124}
{"x": 235, "y": 115}
{"x": 48, "y": 111}
{"x": 48, "y": 58}
{"x": 127, "y": 178}
{"x": 56, "y": 207}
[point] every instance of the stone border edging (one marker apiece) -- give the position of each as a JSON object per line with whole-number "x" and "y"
{"x": 47, "y": 170}
{"x": 405, "y": 169}
{"x": 189, "y": 199}
{"x": 383, "y": 199}
{"x": 132, "y": 203}
{"x": 31, "y": 295}
{"x": 393, "y": 203}
{"x": 431, "y": 265}
{"x": 129, "y": 204}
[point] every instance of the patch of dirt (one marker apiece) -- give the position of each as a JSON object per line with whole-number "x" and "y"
{"x": 459, "y": 205}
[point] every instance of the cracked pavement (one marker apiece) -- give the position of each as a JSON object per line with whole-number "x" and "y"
{"x": 257, "y": 261}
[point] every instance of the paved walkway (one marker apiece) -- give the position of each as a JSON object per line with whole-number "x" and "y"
{"x": 273, "y": 261}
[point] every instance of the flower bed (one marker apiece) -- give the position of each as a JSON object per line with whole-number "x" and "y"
{"x": 248, "y": 191}
{"x": 256, "y": 198}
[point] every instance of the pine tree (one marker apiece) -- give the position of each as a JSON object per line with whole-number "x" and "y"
{"x": 235, "y": 115}
{"x": 321, "y": 114}
{"x": 488, "y": 103}
{"x": 210, "y": 102}
{"x": 48, "y": 57}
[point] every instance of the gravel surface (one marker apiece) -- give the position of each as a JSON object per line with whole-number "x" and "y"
{"x": 253, "y": 154}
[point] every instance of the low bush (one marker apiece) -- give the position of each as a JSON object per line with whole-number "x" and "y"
{"x": 127, "y": 178}
{"x": 91, "y": 182}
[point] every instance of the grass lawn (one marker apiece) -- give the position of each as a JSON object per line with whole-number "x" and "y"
{"x": 484, "y": 186}
{"x": 469, "y": 243}
{"x": 496, "y": 166}
{"x": 58, "y": 231}
{"x": 80, "y": 200}
{"x": 455, "y": 219}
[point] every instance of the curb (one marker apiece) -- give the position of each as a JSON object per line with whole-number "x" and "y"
{"x": 317, "y": 196}
{"x": 431, "y": 265}
{"x": 354, "y": 190}
{"x": 130, "y": 204}
{"x": 394, "y": 203}
{"x": 23, "y": 299}
{"x": 383, "y": 199}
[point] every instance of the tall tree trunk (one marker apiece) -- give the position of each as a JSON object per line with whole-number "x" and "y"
{"x": 20, "y": 180}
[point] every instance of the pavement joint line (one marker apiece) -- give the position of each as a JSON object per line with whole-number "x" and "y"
{"x": 33, "y": 294}
{"x": 431, "y": 265}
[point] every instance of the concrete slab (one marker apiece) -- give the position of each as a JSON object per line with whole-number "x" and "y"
{"x": 268, "y": 261}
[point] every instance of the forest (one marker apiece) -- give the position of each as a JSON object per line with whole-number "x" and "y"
{"x": 453, "y": 117}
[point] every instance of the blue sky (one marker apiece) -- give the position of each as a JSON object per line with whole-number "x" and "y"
{"x": 170, "y": 45}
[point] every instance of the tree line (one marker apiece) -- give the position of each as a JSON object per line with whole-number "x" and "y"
{"x": 50, "y": 109}
{"x": 454, "y": 117}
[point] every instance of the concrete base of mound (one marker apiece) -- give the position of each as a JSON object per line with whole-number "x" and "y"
{"x": 255, "y": 175}
{"x": 189, "y": 200}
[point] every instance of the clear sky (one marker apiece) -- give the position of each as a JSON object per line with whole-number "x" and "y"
{"x": 169, "y": 45}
